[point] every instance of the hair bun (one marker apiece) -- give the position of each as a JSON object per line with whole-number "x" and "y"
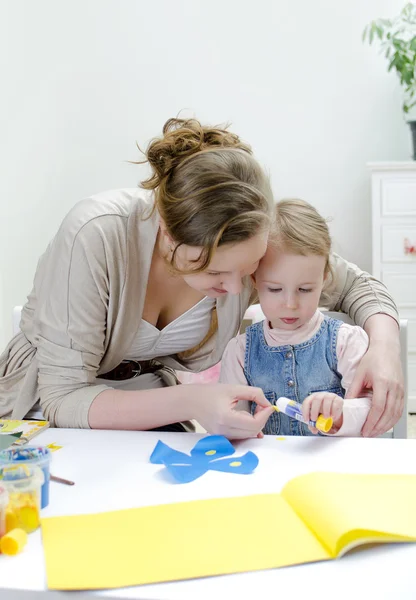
{"x": 181, "y": 139}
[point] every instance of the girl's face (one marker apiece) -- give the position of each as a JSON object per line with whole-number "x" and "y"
{"x": 289, "y": 287}
{"x": 229, "y": 264}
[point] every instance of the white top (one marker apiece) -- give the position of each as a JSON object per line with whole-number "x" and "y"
{"x": 185, "y": 332}
{"x": 123, "y": 477}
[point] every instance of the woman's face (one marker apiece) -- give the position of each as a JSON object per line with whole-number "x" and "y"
{"x": 229, "y": 264}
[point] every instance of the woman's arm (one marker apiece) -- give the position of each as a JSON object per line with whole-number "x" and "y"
{"x": 367, "y": 301}
{"x": 213, "y": 406}
{"x": 70, "y": 320}
{"x": 141, "y": 409}
{"x": 357, "y": 293}
{"x": 381, "y": 371}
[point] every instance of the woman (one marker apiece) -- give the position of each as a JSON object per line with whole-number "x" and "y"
{"x": 139, "y": 282}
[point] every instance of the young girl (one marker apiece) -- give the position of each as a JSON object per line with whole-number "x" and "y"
{"x": 297, "y": 352}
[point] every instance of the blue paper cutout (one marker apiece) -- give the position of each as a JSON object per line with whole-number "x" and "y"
{"x": 213, "y": 443}
{"x": 186, "y": 473}
{"x": 210, "y": 453}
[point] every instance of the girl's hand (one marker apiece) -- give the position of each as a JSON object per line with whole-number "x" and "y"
{"x": 380, "y": 370}
{"x": 325, "y": 403}
{"x": 215, "y": 409}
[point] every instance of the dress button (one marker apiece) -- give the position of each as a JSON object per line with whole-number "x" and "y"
{"x": 288, "y": 355}
{"x": 290, "y": 383}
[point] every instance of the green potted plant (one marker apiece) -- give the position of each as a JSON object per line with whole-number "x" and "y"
{"x": 397, "y": 38}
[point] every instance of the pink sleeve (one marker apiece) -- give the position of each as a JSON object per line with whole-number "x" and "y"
{"x": 352, "y": 344}
{"x": 232, "y": 366}
{"x": 354, "y": 416}
{"x": 232, "y": 362}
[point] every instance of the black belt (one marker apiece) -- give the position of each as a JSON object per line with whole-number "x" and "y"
{"x": 128, "y": 369}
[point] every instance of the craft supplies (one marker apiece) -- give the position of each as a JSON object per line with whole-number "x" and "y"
{"x": 7, "y": 440}
{"x": 11, "y": 520}
{"x": 61, "y": 480}
{"x": 4, "y": 501}
{"x": 34, "y": 456}
{"x": 209, "y": 454}
{"x": 25, "y": 430}
{"x": 13, "y": 542}
{"x": 294, "y": 410}
{"x": 54, "y": 447}
{"x": 23, "y": 484}
{"x": 317, "y": 516}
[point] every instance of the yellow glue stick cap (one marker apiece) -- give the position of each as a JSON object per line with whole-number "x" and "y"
{"x": 13, "y": 542}
{"x": 324, "y": 424}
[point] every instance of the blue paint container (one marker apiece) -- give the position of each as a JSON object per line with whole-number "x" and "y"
{"x": 31, "y": 455}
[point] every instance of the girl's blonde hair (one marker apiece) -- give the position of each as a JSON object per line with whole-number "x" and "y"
{"x": 300, "y": 229}
{"x": 208, "y": 188}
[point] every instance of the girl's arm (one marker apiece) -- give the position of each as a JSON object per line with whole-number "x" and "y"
{"x": 352, "y": 344}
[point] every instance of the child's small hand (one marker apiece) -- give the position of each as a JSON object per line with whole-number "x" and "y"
{"x": 325, "y": 403}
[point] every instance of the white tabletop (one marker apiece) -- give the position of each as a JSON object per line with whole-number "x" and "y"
{"x": 111, "y": 470}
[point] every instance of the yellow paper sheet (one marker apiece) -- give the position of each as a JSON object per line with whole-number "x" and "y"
{"x": 344, "y": 510}
{"x": 175, "y": 541}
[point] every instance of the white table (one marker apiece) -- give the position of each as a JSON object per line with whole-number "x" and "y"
{"x": 111, "y": 470}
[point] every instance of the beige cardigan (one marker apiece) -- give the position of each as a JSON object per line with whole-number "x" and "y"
{"x": 87, "y": 301}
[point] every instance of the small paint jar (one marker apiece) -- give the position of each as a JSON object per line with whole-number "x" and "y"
{"x": 23, "y": 484}
{"x": 4, "y": 501}
{"x": 31, "y": 456}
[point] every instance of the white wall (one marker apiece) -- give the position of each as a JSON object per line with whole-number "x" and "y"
{"x": 82, "y": 80}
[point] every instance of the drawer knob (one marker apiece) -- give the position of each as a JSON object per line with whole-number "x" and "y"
{"x": 408, "y": 247}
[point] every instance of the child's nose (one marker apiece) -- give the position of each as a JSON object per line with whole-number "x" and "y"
{"x": 291, "y": 301}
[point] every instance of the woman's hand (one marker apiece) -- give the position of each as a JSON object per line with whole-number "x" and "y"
{"x": 380, "y": 370}
{"x": 215, "y": 410}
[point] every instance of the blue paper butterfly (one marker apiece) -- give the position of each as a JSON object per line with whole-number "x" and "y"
{"x": 208, "y": 454}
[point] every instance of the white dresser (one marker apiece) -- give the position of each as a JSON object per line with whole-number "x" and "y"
{"x": 393, "y": 186}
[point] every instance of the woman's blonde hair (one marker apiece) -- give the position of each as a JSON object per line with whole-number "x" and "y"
{"x": 209, "y": 190}
{"x": 300, "y": 229}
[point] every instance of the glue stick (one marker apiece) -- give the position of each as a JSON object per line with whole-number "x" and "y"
{"x": 294, "y": 410}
